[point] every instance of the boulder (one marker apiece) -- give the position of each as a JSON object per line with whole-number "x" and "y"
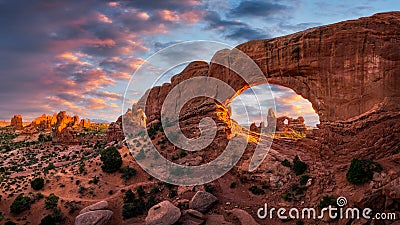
{"x": 202, "y": 201}
{"x": 192, "y": 217}
{"x": 97, "y": 206}
{"x": 244, "y": 217}
{"x": 164, "y": 213}
{"x": 98, "y": 217}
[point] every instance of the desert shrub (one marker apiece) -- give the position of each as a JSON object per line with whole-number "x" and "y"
{"x": 127, "y": 172}
{"x": 327, "y": 200}
{"x": 94, "y": 180}
{"x": 140, "y": 191}
{"x": 361, "y": 171}
{"x": 37, "y": 183}
{"x": 396, "y": 151}
{"x": 172, "y": 193}
{"x": 47, "y": 220}
{"x": 81, "y": 189}
{"x": 81, "y": 167}
{"x": 233, "y": 185}
{"x": 287, "y": 196}
{"x": 111, "y": 159}
{"x": 44, "y": 138}
{"x": 182, "y": 153}
{"x": 57, "y": 215}
{"x": 286, "y": 163}
{"x": 51, "y": 201}
{"x": 140, "y": 155}
{"x": 209, "y": 188}
{"x": 129, "y": 196}
{"x": 303, "y": 179}
{"x": 20, "y": 204}
{"x": 256, "y": 190}
{"x": 49, "y": 167}
{"x": 10, "y": 223}
{"x": 299, "y": 167}
{"x": 137, "y": 207}
{"x": 174, "y": 157}
{"x": 150, "y": 202}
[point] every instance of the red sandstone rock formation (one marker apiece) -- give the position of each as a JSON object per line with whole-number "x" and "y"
{"x": 115, "y": 132}
{"x": 16, "y": 122}
{"x": 254, "y": 128}
{"x": 343, "y": 69}
{"x": 287, "y": 124}
{"x": 348, "y": 71}
{"x": 44, "y": 122}
{"x": 60, "y": 133}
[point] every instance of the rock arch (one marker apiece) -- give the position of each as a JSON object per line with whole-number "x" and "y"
{"x": 343, "y": 69}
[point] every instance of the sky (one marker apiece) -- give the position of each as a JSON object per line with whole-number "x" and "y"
{"x": 78, "y": 56}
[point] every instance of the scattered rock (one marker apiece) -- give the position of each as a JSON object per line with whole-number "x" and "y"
{"x": 164, "y": 213}
{"x": 202, "y": 201}
{"x": 192, "y": 217}
{"x": 98, "y": 217}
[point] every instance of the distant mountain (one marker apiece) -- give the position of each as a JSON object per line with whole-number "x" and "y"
{"x": 99, "y": 121}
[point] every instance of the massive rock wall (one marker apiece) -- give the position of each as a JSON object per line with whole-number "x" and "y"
{"x": 343, "y": 69}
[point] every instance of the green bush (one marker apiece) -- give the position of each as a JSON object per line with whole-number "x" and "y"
{"x": 396, "y": 151}
{"x": 287, "y": 196}
{"x": 20, "y": 204}
{"x": 209, "y": 188}
{"x": 327, "y": 200}
{"x": 127, "y": 172}
{"x": 182, "y": 153}
{"x": 51, "y": 201}
{"x": 299, "y": 167}
{"x": 129, "y": 196}
{"x": 10, "y": 223}
{"x": 286, "y": 163}
{"x": 48, "y": 220}
{"x": 303, "y": 179}
{"x": 233, "y": 185}
{"x": 140, "y": 191}
{"x": 361, "y": 171}
{"x": 111, "y": 159}
{"x": 137, "y": 207}
{"x": 172, "y": 193}
{"x": 140, "y": 155}
{"x": 256, "y": 190}
{"x": 37, "y": 183}
{"x": 49, "y": 167}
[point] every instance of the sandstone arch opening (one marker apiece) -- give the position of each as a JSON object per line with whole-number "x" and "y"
{"x": 294, "y": 113}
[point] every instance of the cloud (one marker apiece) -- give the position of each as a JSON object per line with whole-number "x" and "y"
{"x": 69, "y": 53}
{"x": 166, "y": 4}
{"x": 246, "y": 33}
{"x": 233, "y": 29}
{"x": 263, "y": 9}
